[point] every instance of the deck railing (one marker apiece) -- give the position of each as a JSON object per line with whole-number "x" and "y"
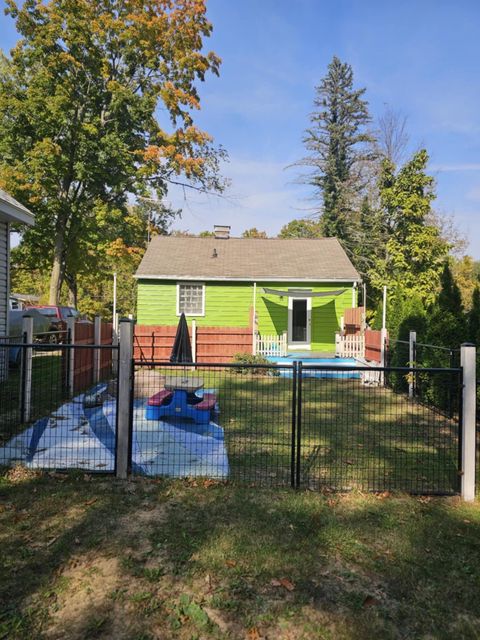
{"x": 274, "y": 345}
{"x": 350, "y": 346}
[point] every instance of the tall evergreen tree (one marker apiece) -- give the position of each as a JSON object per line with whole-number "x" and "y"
{"x": 338, "y": 144}
{"x": 449, "y": 298}
{"x": 474, "y": 318}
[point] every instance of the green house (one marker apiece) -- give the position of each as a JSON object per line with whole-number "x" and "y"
{"x": 296, "y": 288}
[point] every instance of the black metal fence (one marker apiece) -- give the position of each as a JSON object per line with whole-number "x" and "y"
{"x": 326, "y": 428}
{"x": 53, "y": 413}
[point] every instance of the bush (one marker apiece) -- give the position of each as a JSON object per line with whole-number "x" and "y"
{"x": 250, "y": 359}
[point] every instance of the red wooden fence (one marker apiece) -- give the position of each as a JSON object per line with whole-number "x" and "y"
{"x": 213, "y": 344}
{"x": 373, "y": 345}
{"x": 83, "y": 359}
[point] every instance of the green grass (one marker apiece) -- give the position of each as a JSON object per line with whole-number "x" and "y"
{"x": 48, "y": 393}
{"x": 353, "y": 436}
{"x": 87, "y": 557}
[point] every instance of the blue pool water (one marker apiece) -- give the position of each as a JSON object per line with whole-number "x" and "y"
{"x": 318, "y": 362}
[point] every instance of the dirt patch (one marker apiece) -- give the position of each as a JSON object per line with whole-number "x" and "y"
{"x": 86, "y": 603}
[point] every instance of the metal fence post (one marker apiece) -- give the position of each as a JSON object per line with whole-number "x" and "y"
{"x": 124, "y": 399}
{"x": 71, "y": 356}
{"x": 412, "y": 347}
{"x": 468, "y": 444}
{"x": 97, "y": 339}
{"x": 26, "y": 375}
{"x": 294, "y": 424}
{"x": 299, "y": 425}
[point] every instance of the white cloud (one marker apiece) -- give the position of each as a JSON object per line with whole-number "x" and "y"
{"x": 458, "y": 166}
{"x": 262, "y": 195}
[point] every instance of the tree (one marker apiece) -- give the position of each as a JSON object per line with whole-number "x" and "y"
{"x": 413, "y": 254}
{"x": 339, "y": 145}
{"x": 254, "y": 233}
{"x": 304, "y": 228}
{"x": 93, "y": 281}
{"x": 449, "y": 299}
{"x": 392, "y": 136}
{"x": 473, "y": 318}
{"x": 78, "y": 128}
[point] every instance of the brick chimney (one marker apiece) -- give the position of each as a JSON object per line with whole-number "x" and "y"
{"x": 222, "y": 231}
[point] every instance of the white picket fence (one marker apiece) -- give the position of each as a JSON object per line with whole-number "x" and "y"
{"x": 275, "y": 345}
{"x": 350, "y": 346}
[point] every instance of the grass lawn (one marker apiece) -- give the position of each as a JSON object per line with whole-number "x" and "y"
{"x": 89, "y": 557}
{"x": 353, "y": 436}
{"x": 48, "y": 392}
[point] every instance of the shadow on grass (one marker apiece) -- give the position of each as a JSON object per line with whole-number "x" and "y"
{"x": 291, "y": 564}
{"x": 352, "y": 436}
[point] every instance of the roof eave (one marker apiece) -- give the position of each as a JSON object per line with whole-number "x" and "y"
{"x": 12, "y": 213}
{"x": 350, "y": 278}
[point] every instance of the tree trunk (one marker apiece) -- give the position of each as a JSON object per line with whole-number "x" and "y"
{"x": 71, "y": 281}
{"x": 58, "y": 269}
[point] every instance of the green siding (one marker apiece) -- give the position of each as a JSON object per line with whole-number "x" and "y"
{"x": 229, "y": 305}
{"x": 226, "y": 305}
{"x": 272, "y": 312}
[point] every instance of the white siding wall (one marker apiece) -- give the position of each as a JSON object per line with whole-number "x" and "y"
{"x": 4, "y": 294}
{"x": 3, "y": 277}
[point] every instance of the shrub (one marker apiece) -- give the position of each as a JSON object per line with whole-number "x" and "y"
{"x": 250, "y": 359}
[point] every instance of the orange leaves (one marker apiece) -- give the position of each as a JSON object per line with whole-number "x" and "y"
{"x": 283, "y": 582}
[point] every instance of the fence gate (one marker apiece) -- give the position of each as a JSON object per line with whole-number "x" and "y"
{"x": 320, "y": 427}
{"x": 359, "y": 429}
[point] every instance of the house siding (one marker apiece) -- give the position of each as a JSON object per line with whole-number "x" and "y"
{"x": 272, "y": 311}
{"x": 3, "y": 277}
{"x": 226, "y": 305}
{"x": 4, "y": 294}
{"x": 229, "y": 305}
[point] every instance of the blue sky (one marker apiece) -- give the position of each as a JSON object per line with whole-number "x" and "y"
{"x": 420, "y": 57}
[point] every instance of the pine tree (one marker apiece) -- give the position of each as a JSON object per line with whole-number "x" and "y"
{"x": 474, "y": 317}
{"x": 338, "y": 143}
{"x": 449, "y": 298}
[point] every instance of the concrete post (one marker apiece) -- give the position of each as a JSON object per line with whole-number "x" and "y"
{"x": 114, "y": 351}
{"x": 71, "y": 356}
{"x": 97, "y": 339}
{"x": 468, "y": 363}
{"x": 194, "y": 340}
{"x": 383, "y": 355}
{"x": 124, "y": 399}
{"x": 26, "y": 377}
{"x": 412, "y": 347}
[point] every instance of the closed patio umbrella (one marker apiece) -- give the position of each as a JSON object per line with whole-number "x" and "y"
{"x": 182, "y": 348}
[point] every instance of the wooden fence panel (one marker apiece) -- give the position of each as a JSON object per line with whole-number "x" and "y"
{"x": 373, "y": 345}
{"x": 214, "y": 344}
{"x": 83, "y": 358}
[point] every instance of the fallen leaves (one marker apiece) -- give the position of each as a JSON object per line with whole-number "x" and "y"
{"x": 283, "y": 582}
{"x": 370, "y": 601}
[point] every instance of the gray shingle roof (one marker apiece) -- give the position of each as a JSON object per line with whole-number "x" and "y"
{"x": 177, "y": 257}
{"x": 14, "y": 209}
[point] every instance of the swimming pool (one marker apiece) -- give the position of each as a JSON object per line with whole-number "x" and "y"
{"x": 338, "y": 363}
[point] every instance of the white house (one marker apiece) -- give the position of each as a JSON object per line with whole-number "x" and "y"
{"x": 11, "y": 211}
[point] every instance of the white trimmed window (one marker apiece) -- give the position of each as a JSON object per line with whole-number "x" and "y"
{"x": 191, "y": 299}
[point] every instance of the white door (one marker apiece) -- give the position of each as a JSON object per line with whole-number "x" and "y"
{"x": 299, "y": 323}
